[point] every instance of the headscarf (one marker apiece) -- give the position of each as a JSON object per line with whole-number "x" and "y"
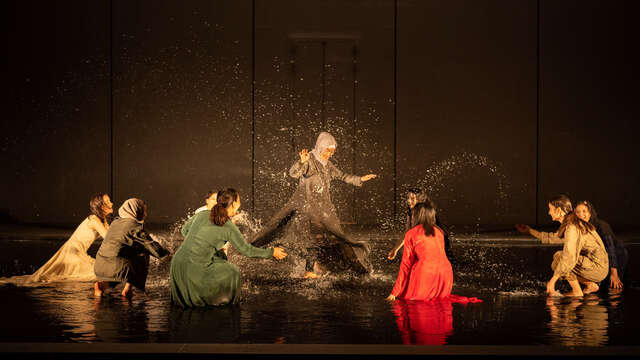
{"x": 132, "y": 209}
{"x": 325, "y": 140}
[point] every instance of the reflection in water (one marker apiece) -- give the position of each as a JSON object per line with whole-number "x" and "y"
{"x": 205, "y": 325}
{"x": 578, "y": 321}
{"x": 424, "y": 322}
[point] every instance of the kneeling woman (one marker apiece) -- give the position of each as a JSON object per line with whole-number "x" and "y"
{"x": 583, "y": 258}
{"x": 200, "y": 273}
{"x": 425, "y": 272}
{"x": 123, "y": 256}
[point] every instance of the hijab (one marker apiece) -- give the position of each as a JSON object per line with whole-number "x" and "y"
{"x": 132, "y": 209}
{"x": 324, "y": 141}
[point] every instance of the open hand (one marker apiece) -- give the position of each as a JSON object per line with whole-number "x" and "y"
{"x": 614, "y": 281}
{"x": 390, "y": 298}
{"x": 304, "y": 156}
{"x": 278, "y": 253}
{"x": 368, "y": 177}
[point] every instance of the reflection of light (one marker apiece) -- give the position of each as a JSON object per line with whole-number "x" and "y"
{"x": 424, "y": 322}
{"x": 578, "y": 321}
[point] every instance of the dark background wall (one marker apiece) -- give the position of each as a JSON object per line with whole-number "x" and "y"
{"x": 493, "y": 106}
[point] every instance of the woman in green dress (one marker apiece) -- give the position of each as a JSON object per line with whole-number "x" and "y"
{"x": 200, "y": 272}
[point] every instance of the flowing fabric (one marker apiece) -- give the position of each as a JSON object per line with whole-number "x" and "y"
{"x": 200, "y": 274}
{"x": 71, "y": 261}
{"x": 425, "y": 272}
{"x": 311, "y": 202}
{"x": 124, "y": 254}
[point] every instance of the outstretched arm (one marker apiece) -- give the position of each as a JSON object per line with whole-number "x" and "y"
{"x": 348, "y": 178}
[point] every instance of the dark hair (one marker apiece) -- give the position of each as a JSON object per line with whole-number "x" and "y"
{"x": 219, "y": 214}
{"x": 425, "y": 214}
{"x": 563, "y": 202}
{"x": 96, "y": 205}
{"x": 592, "y": 210}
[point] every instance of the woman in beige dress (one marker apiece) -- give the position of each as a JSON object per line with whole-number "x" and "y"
{"x": 583, "y": 258}
{"x": 71, "y": 261}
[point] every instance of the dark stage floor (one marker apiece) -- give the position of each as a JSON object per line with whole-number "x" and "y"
{"x": 341, "y": 313}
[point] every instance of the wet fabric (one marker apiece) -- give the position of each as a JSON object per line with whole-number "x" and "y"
{"x": 583, "y": 255}
{"x": 447, "y": 241}
{"x": 124, "y": 253}
{"x": 618, "y": 255}
{"x": 312, "y": 201}
{"x": 324, "y": 141}
{"x": 200, "y": 273}
{"x": 132, "y": 209}
{"x": 71, "y": 261}
{"x": 425, "y": 272}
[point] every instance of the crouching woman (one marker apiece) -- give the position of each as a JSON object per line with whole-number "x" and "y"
{"x": 200, "y": 273}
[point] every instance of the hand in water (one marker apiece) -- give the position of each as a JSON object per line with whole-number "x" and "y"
{"x": 304, "y": 156}
{"x": 368, "y": 177}
{"x": 390, "y": 298}
{"x": 523, "y": 228}
{"x": 278, "y": 253}
{"x": 614, "y": 281}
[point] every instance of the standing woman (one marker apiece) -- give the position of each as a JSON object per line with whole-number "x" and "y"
{"x": 618, "y": 255}
{"x": 71, "y": 261}
{"x": 425, "y": 272}
{"x": 312, "y": 199}
{"x": 123, "y": 256}
{"x": 415, "y": 196}
{"x": 583, "y": 258}
{"x": 200, "y": 272}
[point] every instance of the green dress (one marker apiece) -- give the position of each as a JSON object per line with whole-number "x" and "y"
{"x": 200, "y": 272}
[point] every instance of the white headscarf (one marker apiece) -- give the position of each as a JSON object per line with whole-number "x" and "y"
{"x": 325, "y": 140}
{"x": 132, "y": 209}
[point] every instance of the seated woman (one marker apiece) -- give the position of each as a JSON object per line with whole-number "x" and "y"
{"x": 71, "y": 261}
{"x": 123, "y": 256}
{"x": 425, "y": 272}
{"x": 415, "y": 196}
{"x": 200, "y": 273}
{"x": 618, "y": 255}
{"x": 583, "y": 258}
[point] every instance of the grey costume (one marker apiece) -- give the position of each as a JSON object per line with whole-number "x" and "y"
{"x": 312, "y": 199}
{"x": 124, "y": 253}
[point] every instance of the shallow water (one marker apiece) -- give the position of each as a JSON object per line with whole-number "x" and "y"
{"x": 278, "y": 306}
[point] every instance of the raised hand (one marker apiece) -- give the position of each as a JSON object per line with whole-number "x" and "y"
{"x": 278, "y": 253}
{"x": 368, "y": 177}
{"x": 304, "y": 156}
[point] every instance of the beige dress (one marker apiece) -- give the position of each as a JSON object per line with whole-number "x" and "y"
{"x": 583, "y": 255}
{"x": 71, "y": 261}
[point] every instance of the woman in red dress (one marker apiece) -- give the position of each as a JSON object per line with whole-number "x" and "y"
{"x": 425, "y": 272}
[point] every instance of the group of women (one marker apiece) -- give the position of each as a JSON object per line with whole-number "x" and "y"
{"x": 200, "y": 274}
{"x": 590, "y": 252}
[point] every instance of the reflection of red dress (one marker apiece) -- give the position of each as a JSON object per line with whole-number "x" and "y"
{"x": 424, "y": 322}
{"x": 425, "y": 272}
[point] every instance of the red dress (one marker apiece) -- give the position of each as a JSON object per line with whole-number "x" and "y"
{"x": 425, "y": 272}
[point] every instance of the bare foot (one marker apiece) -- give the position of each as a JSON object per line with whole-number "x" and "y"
{"x": 311, "y": 275}
{"x": 574, "y": 294}
{"x": 127, "y": 292}
{"x": 591, "y": 287}
{"x": 97, "y": 291}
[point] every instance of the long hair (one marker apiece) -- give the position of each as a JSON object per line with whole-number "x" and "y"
{"x": 564, "y": 203}
{"x": 602, "y": 227}
{"x": 96, "y": 205}
{"x": 424, "y": 214}
{"x": 219, "y": 214}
